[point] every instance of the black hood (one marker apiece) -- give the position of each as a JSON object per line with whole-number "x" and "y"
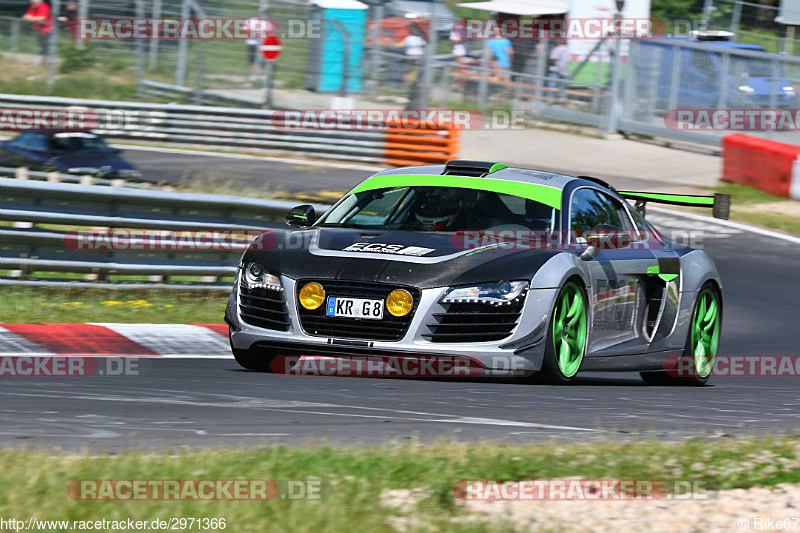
{"x": 418, "y": 259}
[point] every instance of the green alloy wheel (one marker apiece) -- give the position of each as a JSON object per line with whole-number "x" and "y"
{"x": 704, "y": 336}
{"x": 566, "y": 344}
{"x": 701, "y": 345}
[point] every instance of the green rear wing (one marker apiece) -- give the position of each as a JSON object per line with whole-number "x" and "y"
{"x": 720, "y": 203}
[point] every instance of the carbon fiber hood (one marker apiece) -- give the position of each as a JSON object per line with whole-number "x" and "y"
{"x": 418, "y": 259}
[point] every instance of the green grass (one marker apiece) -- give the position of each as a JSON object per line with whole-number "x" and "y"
{"x": 35, "y": 483}
{"x": 27, "y": 305}
{"x": 778, "y": 221}
{"x": 753, "y": 206}
{"x": 770, "y": 40}
{"x": 742, "y": 196}
{"x": 95, "y": 81}
{"x": 466, "y": 12}
{"x": 588, "y": 73}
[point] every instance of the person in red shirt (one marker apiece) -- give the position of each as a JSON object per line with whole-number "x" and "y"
{"x": 39, "y": 13}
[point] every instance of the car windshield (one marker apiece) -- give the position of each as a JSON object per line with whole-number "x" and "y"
{"x": 439, "y": 209}
{"x": 79, "y": 142}
{"x": 754, "y": 68}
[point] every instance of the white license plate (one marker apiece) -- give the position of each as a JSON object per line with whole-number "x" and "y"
{"x": 354, "y": 308}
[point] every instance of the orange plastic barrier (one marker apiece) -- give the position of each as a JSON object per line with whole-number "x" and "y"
{"x": 770, "y": 166}
{"x": 416, "y": 144}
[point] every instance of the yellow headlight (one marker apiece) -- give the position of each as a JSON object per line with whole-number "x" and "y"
{"x": 312, "y": 295}
{"x": 399, "y": 303}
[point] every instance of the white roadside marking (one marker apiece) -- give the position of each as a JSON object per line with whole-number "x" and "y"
{"x": 304, "y": 408}
{"x": 12, "y": 345}
{"x": 676, "y": 224}
{"x": 727, "y": 224}
{"x": 173, "y": 339}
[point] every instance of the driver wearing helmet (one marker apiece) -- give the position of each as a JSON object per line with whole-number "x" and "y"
{"x": 438, "y": 210}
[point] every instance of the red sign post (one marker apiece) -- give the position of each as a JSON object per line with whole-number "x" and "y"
{"x": 271, "y": 48}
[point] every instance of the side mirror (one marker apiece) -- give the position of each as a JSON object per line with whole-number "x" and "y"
{"x": 604, "y": 237}
{"x": 302, "y": 216}
{"x": 590, "y": 253}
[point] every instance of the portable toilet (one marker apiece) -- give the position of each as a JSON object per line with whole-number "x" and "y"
{"x": 343, "y": 26}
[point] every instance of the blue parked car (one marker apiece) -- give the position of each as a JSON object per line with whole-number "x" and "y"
{"x": 745, "y": 83}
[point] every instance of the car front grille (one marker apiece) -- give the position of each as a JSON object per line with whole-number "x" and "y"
{"x": 265, "y": 308}
{"x": 389, "y": 328}
{"x": 474, "y": 322}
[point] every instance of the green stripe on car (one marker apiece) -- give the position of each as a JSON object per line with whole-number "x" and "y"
{"x": 550, "y": 196}
{"x": 656, "y": 271}
{"x": 685, "y": 199}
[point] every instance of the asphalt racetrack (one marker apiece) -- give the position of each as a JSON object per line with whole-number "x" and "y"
{"x": 212, "y": 401}
{"x": 184, "y": 166}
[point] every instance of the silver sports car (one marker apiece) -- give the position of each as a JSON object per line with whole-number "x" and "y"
{"x": 524, "y": 272}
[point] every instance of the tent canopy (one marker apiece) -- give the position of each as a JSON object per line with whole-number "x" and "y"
{"x": 521, "y": 7}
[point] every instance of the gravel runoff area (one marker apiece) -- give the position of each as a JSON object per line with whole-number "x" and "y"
{"x": 754, "y": 509}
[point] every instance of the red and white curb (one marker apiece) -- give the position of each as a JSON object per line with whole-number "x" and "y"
{"x": 207, "y": 341}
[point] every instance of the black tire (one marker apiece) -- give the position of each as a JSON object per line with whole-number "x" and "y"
{"x": 664, "y": 378}
{"x": 256, "y": 360}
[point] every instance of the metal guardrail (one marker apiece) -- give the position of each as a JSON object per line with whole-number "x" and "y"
{"x": 22, "y": 173}
{"x": 29, "y": 249}
{"x": 253, "y": 128}
{"x": 168, "y": 90}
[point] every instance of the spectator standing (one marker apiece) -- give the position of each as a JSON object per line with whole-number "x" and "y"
{"x": 500, "y": 53}
{"x": 256, "y": 33}
{"x": 69, "y": 15}
{"x": 415, "y": 51}
{"x": 458, "y": 36}
{"x": 39, "y": 13}
{"x": 560, "y": 58}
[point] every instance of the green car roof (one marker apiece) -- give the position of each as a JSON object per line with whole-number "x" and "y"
{"x": 550, "y": 196}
